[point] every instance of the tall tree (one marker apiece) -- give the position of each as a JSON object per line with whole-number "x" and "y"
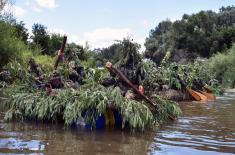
{"x": 21, "y": 31}
{"x": 41, "y": 37}
{"x": 55, "y": 43}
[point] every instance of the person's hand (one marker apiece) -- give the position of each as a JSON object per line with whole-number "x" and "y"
{"x": 141, "y": 89}
{"x": 108, "y": 65}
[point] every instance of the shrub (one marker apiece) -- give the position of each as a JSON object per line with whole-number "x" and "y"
{"x": 10, "y": 46}
{"x": 222, "y": 66}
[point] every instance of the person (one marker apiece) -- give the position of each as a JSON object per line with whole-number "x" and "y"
{"x": 48, "y": 88}
{"x": 5, "y": 76}
{"x": 77, "y": 72}
{"x": 56, "y": 81}
{"x": 34, "y": 68}
{"x": 131, "y": 67}
{"x": 36, "y": 71}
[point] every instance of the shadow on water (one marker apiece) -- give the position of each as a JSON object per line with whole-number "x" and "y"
{"x": 203, "y": 129}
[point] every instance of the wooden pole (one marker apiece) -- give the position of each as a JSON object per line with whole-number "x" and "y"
{"x": 152, "y": 105}
{"x": 61, "y": 52}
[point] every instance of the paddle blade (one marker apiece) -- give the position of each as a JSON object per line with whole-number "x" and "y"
{"x": 193, "y": 94}
{"x": 209, "y": 96}
{"x": 196, "y": 95}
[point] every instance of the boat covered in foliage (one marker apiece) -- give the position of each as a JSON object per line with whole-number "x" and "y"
{"x": 99, "y": 98}
{"x": 91, "y": 105}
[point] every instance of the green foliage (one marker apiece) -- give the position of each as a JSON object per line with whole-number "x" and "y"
{"x": 91, "y": 102}
{"x": 11, "y": 47}
{"x": 111, "y": 53}
{"x": 74, "y": 51}
{"x": 166, "y": 109}
{"x": 55, "y": 42}
{"x": 116, "y": 52}
{"x": 159, "y": 42}
{"x": 41, "y": 37}
{"x": 222, "y": 67}
{"x": 167, "y": 74}
{"x": 202, "y": 34}
{"x": 21, "y": 31}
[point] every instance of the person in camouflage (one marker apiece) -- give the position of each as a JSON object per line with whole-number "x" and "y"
{"x": 36, "y": 72}
{"x": 56, "y": 81}
{"x": 131, "y": 67}
{"x": 5, "y": 76}
{"x": 34, "y": 68}
{"x": 77, "y": 74}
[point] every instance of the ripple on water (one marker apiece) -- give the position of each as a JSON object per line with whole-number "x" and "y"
{"x": 13, "y": 143}
{"x": 21, "y": 145}
{"x": 203, "y": 129}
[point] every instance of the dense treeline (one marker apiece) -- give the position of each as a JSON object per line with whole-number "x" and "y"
{"x": 202, "y": 34}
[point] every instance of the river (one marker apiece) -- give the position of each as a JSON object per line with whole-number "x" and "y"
{"x": 204, "y": 128}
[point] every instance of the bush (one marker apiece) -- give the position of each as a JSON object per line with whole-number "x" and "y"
{"x": 221, "y": 65}
{"x": 10, "y": 46}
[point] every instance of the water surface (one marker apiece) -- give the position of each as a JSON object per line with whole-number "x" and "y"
{"x": 202, "y": 129}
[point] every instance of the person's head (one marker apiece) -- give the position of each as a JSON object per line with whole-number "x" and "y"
{"x": 48, "y": 88}
{"x": 55, "y": 74}
{"x": 31, "y": 61}
{"x": 72, "y": 64}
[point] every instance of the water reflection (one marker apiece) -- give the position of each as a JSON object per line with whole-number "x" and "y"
{"x": 203, "y": 129}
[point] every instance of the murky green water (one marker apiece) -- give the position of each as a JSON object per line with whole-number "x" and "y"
{"x": 203, "y": 129}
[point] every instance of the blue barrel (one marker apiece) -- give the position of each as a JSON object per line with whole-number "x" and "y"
{"x": 111, "y": 119}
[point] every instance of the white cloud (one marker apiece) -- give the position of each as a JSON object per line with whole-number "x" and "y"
{"x": 49, "y": 4}
{"x": 103, "y": 37}
{"x": 27, "y": 2}
{"x": 36, "y": 9}
{"x": 18, "y": 11}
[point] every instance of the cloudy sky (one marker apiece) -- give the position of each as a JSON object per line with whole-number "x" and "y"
{"x": 100, "y": 22}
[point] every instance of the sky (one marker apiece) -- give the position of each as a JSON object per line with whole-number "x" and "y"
{"x": 101, "y": 22}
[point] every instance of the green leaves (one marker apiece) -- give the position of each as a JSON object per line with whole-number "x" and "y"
{"x": 90, "y": 103}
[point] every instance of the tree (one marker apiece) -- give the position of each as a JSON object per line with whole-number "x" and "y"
{"x": 54, "y": 43}
{"x": 114, "y": 52}
{"x": 74, "y": 51}
{"x": 10, "y": 45}
{"x": 159, "y": 41}
{"x": 21, "y": 31}
{"x": 202, "y": 34}
{"x": 41, "y": 37}
{"x": 111, "y": 53}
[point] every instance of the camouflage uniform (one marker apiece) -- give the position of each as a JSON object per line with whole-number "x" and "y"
{"x": 34, "y": 68}
{"x": 56, "y": 81}
{"x": 77, "y": 74}
{"x": 131, "y": 67}
{"x": 36, "y": 71}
